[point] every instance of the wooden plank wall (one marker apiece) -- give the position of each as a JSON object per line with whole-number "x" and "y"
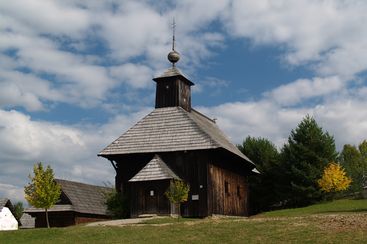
{"x": 167, "y": 93}
{"x": 228, "y": 192}
{"x": 191, "y": 166}
{"x": 56, "y": 219}
{"x": 184, "y": 95}
{"x": 140, "y": 197}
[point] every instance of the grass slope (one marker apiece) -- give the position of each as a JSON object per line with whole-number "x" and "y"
{"x": 338, "y": 206}
{"x": 294, "y": 226}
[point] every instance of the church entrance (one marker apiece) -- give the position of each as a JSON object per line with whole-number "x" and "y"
{"x": 148, "y": 197}
{"x": 151, "y": 201}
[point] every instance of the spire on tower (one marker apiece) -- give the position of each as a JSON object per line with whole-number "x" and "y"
{"x": 173, "y": 34}
{"x": 173, "y": 56}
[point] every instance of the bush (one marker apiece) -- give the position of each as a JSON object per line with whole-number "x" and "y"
{"x": 117, "y": 205}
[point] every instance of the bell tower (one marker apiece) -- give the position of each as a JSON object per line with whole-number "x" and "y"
{"x": 173, "y": 89}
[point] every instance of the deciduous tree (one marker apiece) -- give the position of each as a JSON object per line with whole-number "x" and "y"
{"x": 42, "y": 191}
{"x": 354, "y": 160}
{"x": 177, "y": 193}
{"x": 334, "y": 178}
{"x": 117, "y": 204}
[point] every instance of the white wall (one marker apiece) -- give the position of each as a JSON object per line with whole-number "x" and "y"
{"x": 7, "y": 220}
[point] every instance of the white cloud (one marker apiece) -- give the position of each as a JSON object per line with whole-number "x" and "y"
{"x": 330, "y": 33}
{"x": 258, "y": 119}
{"x": 302, "y": 89}
{"x": 52, "y": 41}
{"x": 344, "y": 116}
{"x": 51, "y": 17}
{"x": 15, "y": 193}
{"x": 70, "y": 150}
{"x": 136, "y": 75}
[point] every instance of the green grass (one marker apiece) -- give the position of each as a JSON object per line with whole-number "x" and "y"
{"x": 287, "y": 226}
{"x": 338, "y": 206}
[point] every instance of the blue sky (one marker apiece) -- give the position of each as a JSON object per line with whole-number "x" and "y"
{"x": 74, "y": 74}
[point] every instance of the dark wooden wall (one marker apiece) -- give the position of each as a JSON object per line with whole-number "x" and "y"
{"x": 143, "y": 203}
{"x": 173, "y": 92}
{"x": 229, "y": 192}
{"x": 207, "y": 171}
{"x": 56, "y": 219}
{"x": 65, "y": 218}
{"x": 191, "y": 166}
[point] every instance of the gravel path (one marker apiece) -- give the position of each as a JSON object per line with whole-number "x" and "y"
{"x": 119, "y": 222}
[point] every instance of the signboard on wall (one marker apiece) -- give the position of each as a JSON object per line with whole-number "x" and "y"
{"x": 194, "y": 197}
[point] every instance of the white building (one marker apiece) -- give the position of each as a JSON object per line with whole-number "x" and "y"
{"x": 7, "y": 219}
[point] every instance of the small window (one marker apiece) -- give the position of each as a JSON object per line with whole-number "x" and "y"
{"x": 226, "y": 187}
{"x": 151, "y": 193}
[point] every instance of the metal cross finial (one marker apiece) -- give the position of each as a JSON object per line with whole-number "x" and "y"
{"x": 173, "y": 33}
{"x": 173, "y": 56}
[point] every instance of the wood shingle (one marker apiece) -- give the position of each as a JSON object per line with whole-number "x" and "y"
{"x": 84, "y": 198}
{"x": 171, "y": 129}
{"x": 156, "y": 169}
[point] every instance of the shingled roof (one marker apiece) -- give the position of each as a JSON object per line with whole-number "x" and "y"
{"x": 173, "y": 72}
{"x": 171, "y": 129}
{"x": 5, "y": 202}
{"x": 156, "y": 169}
{"x": 84, "y": 198}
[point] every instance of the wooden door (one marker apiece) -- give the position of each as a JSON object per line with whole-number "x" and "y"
{"x": 151, "y": 201}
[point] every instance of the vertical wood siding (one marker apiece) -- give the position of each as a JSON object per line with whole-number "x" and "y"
{"x": 229, "y": 192}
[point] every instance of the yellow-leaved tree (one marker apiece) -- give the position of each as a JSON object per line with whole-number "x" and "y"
{"x": 42, "y": 191}
{"x": 177, "y": 193}
{"x": 334, "y": 178}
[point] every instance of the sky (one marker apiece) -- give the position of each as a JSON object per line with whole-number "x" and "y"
{"x": 75, "y": 75}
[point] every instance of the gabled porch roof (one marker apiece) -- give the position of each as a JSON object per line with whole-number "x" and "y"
{"x": 156, "y": 169}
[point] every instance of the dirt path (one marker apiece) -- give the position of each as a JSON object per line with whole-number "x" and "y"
{"x": 120, "y": 222}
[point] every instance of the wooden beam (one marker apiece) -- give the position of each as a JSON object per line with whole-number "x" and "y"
{"x": 114, "y": 165}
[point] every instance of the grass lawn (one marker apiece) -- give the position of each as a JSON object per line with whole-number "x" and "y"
{"x": 338, "y": 206}
{"x": 342, "y": 221}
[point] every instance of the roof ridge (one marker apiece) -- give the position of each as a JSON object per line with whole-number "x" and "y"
{"x": 219, "y": 144}
{"x": 68, "y": 197}
{"x": 203, "y": 115}
{"x": 81, "y": 183}
{"x": 166, "y": 168}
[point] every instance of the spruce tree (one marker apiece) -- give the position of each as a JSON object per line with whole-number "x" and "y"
{"x": 308, "y": 151}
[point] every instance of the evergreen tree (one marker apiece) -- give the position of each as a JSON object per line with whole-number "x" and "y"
{"x": 263, "y": 187}
{"x": 42, "y": 191}
{"x": 18, "y": 210}
{"x": 304, "y": 157}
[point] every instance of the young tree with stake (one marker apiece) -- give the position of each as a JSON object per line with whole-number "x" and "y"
{"x": 177, "y": 193}
{"x": 42, "y": 191}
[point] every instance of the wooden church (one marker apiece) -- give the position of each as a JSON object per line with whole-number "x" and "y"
{"x": 175, "y": 141}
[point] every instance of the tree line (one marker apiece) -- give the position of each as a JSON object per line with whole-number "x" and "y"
{"x": 292, "y": 176}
